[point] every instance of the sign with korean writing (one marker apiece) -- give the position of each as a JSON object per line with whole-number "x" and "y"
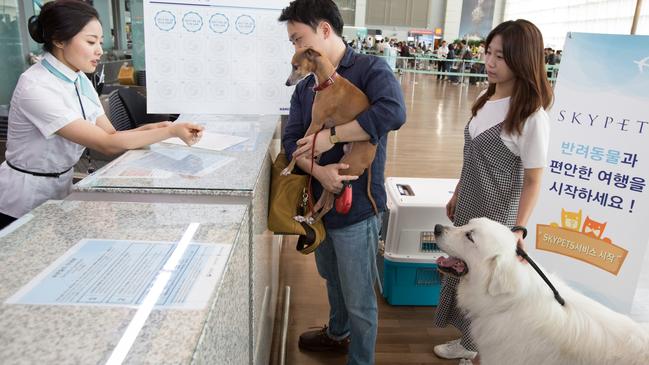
{"x": 590, "y": 223}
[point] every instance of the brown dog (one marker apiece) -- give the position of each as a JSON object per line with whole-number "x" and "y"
{"x": 337, "y": 102}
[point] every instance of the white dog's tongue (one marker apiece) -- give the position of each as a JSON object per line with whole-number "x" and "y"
{"x": 453, "y": 263}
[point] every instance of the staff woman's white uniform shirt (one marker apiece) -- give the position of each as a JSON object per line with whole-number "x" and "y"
{"x": 42, "y": 104}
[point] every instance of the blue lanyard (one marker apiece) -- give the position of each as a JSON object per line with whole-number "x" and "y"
{"x": 83, "y": 111}
{"x": 84, "y": 84}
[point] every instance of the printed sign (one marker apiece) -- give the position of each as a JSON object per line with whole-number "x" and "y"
{"x": 217, "y": 57}
{"x": 590, "y": 223}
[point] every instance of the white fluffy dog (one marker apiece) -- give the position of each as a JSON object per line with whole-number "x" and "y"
{"x": 515, "y": 317}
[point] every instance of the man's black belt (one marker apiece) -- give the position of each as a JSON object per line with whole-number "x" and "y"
{"x": 41, "y": 174}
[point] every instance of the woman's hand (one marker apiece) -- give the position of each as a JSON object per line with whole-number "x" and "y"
{"x": 330, "y": 178}
{"x": 520, "y": 244}
{"x": 450, "y": 207}
{"x": 190, "y": 133}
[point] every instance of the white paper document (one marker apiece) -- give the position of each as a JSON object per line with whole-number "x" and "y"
{"x": 244, "y": 126}
{"x": 211, "y": 141}
{"x": 119, "y": 273}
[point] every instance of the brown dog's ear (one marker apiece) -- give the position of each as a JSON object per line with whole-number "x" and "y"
{"x": 502, "y": 279}
{"x": 311, "y": 54}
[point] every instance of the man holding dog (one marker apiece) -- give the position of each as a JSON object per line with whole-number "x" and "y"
{"x": 346, "y": 258}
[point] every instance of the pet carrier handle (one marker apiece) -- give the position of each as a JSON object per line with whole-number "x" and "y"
{"x": 405, "y": 189}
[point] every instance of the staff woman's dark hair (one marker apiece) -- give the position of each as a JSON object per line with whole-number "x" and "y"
{"x": 60, "y": 20}
{"x": 523, "y": 52}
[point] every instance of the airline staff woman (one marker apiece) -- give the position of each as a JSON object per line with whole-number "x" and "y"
{"x": 55, "y": 112}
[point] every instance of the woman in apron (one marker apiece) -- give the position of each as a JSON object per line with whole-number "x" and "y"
{"x": 55, "y": 112}
{"x": 505, "y": 151}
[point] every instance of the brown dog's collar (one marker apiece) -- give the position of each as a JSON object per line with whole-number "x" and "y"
{"x": 328, "y": 82}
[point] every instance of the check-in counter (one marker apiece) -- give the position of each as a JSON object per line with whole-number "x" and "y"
{"x": 239, "y": 174}
{"x": 77, "y": 309}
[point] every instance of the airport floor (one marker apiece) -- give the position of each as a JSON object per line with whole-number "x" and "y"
{"x": 428, "y": 145}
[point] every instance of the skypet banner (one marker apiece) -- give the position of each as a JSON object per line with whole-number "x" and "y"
{"x": 591, "y": 223}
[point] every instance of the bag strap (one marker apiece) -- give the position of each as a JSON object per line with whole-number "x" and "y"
{"x": 310, "y": 191}
{"x": 305, "y": 241}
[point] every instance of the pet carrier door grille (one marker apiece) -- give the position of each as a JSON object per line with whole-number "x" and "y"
{"x": 427, "y": 242}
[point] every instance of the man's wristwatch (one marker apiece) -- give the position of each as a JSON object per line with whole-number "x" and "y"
{"x": 333, "y": 138}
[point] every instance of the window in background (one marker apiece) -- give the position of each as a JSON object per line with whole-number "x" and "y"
{"x": 557, "y": 17}
{"x": 11, "y": 53}
{"x": 136, "y": 11}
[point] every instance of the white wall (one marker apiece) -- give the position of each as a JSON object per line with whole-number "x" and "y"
{"x": 499, "y": 12}
{"x": 452, "y": 20}
{"x": 401, "y": 33}
{"x": 359, "y": 13}
{"x": 436, "y": 14}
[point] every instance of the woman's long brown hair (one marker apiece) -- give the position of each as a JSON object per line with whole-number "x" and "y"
{"x": 523, "y": 52}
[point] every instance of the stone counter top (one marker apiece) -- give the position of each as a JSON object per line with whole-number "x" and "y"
{"x": 76, "y": 334}
{"x": 235, "y": 173}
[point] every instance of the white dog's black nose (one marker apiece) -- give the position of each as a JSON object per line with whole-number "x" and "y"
{"x": 438, "y": 229}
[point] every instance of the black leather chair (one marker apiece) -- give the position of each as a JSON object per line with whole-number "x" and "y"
{"x": 127, "y": 110}
{"x": 117, "y": 113}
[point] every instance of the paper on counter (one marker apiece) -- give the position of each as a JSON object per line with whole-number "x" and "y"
{"x": 211, "y": 141}
{"x": 118, "y": 273}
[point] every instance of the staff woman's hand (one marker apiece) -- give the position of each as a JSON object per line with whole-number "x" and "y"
{"x": 190, "y": 133}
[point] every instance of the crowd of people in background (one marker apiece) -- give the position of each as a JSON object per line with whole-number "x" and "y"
{"x": 552, "y": 57}
{"x": 444, "y": 57}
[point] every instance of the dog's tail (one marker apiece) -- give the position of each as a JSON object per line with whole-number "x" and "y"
{"x": 369, "y": 189}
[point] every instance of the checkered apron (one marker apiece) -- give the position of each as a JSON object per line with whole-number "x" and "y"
{"x": 492, "y": 181}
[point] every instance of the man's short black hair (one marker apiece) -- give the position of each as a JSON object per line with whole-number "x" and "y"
{"x": 312, "y": 12}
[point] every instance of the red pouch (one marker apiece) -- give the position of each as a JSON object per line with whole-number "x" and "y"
{"x": 344, "y": 200}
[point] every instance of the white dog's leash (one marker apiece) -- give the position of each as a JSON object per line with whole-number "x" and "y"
{"x": 520, "y": 252}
